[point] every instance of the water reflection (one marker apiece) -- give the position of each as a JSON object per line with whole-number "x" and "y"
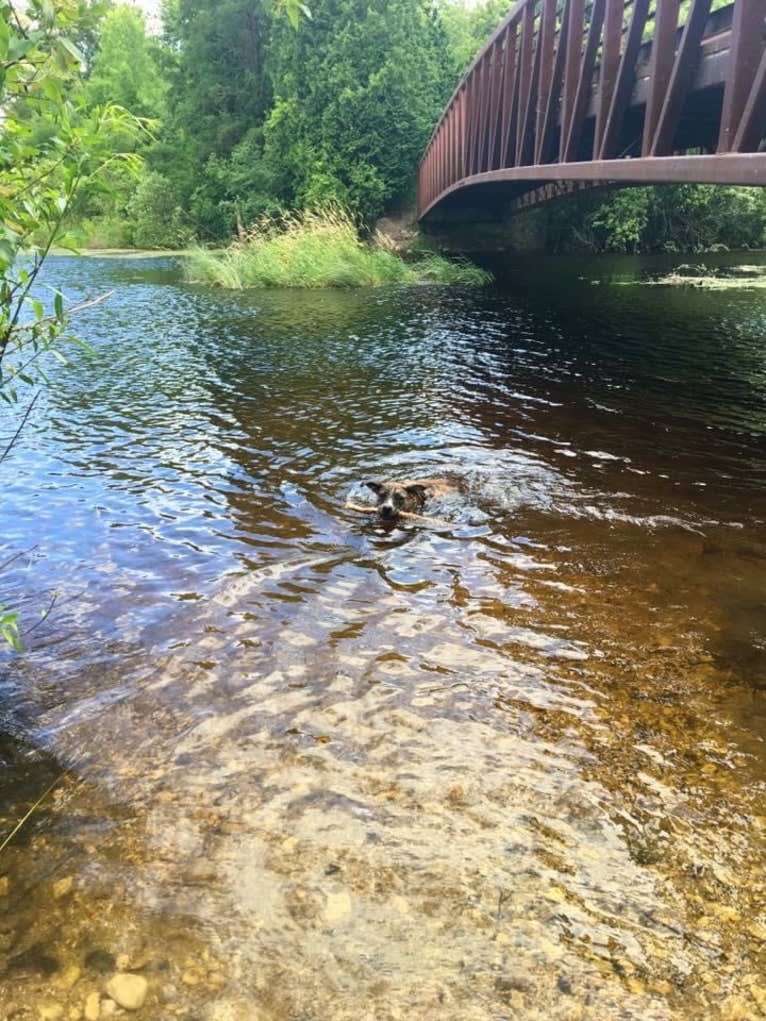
{"x": 511, "y": 765}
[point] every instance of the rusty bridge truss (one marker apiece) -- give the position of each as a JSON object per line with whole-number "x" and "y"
{"x": 571, "y": 93}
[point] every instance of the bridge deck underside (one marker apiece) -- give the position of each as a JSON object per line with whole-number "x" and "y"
{"x": 522, "y": 187}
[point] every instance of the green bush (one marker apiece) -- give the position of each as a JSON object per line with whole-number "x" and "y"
{"x": 105, "y": 232}
{"x": 158, "y": 221}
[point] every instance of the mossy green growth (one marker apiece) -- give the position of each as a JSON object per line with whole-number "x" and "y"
{"x": 319, "y": 249}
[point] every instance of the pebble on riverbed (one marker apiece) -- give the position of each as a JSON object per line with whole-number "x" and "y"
{"x": 51, "y": 1012}
{"x": 92, "y": 1007}
{"x": 337, "y": 908}
{"x": 63, "y": 887}
{"x": 68, "y": 978}
{"x": 129, "y": 991}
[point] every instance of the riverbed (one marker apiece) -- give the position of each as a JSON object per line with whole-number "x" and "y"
{"x": 300, "y": 767}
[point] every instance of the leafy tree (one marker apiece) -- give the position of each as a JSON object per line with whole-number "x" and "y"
{"x": 357, "y": 92}
{"x": 329, "y": 104}
{"x": 666, "y": 218}
{"x": 126, "y": 66}
{"x": 157, "y": 222}
{"x": 468, "y": 26}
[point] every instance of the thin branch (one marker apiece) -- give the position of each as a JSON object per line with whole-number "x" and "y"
{"x": 67, "y": 313}
{"x": 39, "y": 260}
{"x": 17, "y": 556}
{"x": 402, "y": 514}
{"x": 43, "y": 616}
{"x": 25, "y": 819}
{"x": 23, "y": 422}
{"x": 17, "y": 19}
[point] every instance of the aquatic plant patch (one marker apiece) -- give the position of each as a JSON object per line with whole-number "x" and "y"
{"x": 730, "y": 278}
{"x": 316, "y": 249}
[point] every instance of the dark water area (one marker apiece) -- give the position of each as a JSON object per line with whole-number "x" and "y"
{"x": 299, "y": 767}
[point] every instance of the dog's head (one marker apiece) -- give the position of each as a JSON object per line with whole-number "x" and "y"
{"x": 395, "y": 497}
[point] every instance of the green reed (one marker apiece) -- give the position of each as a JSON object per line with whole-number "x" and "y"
{"x": 316, "y": 249}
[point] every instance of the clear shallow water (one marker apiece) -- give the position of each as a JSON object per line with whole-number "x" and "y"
{"x": 512, "y": 765}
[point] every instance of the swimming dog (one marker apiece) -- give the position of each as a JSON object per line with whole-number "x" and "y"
{"x": 409, "y": 496}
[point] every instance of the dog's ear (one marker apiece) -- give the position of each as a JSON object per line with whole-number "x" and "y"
{"x": 376, "y": 487}
{"x": 417, "y": 492}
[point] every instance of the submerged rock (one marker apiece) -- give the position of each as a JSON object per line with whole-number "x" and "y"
{"x": 129, "y": 991}
{"x": 63, "y": 887}
{"x": 51, "y": 1012}
{"x": 338, "y": 907}
{"x": 68, "y": 978}
{"x": 92, "y": 1007}
{"x": 232, "y": 1010}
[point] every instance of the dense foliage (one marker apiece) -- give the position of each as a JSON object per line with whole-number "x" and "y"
{"x": 467, "y": 28}
{"x": 332, "y": 103}
{"x": 356, "y": 94}
{"x": 673, "y": 218}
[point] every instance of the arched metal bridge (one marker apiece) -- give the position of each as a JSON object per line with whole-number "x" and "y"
{"x": 572, "y": 93}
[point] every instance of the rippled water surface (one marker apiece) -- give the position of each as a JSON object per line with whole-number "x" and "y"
{"x": 298, "y": 767}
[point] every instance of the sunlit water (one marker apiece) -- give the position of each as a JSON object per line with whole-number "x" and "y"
{"x": 508, "y": 764}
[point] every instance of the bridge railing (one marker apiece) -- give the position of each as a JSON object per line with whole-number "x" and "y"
{"x": 569, "y": 81}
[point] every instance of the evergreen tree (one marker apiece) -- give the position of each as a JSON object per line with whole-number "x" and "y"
{"x": 357, "y": 92}
{"x": 219, "y": 92}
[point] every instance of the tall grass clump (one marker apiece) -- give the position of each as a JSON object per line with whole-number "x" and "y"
{"x": 312, "y": 249}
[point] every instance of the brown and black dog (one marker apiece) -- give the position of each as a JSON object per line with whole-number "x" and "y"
{"x": 409, "y": 496}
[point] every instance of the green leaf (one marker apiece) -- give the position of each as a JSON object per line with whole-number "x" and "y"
{"x": 9, "y": 629}
{"x": 5, "y": 38}
{"x": 52, "y": 89}
{"x": 72, "y": 50}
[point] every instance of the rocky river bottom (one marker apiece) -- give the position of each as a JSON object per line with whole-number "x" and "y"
{"x": 266, "y": 760}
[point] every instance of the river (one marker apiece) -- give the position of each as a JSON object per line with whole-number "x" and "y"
{"x": 507, "y": 764}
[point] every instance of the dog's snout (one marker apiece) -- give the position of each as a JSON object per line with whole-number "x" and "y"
{"x": 386, "y": 510}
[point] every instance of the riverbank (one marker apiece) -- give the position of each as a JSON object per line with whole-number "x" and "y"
{"x": 130, "y": 253}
